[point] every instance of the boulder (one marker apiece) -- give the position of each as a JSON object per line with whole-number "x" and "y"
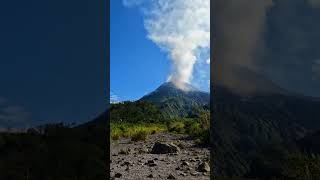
{"x": 164, "y": 148}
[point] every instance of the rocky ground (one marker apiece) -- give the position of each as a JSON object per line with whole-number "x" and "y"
{"x": 173, "y": 157}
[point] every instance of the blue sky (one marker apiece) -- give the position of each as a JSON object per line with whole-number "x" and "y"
{"x": 53, "y": 61}
{"x": 137, "y": 64}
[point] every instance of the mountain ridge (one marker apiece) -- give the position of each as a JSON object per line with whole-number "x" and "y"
{"x": 175, "y": 102}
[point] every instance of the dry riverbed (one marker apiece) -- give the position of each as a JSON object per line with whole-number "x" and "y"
{"x": 181, "y": 158}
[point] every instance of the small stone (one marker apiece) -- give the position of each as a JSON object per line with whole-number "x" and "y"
{"x": 124, "y": 152}
{"x": 150, "y": 176}
{"x": 126, "y": 163}
{"x": 183, "y": 174}
{"x": 194, "y": 173}
{"x": 203, "y": 167}
{"x": 185, "y": 163}
{"x": 171, "y": 176}
{"x": 118, "y": 175}
{"x": 151, "y": 163}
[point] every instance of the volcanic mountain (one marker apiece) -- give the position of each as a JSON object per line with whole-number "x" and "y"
{"x": 246, "y": 127}
{"x": 175, "y": 102}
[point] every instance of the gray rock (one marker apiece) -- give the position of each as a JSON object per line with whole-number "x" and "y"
{"x": 194, "y": 173}
{"x": 118, "y": 175}
{"x": 203, "y": 167}
{"x": 151, "y": 163}
{"x": 171, "y": 176}
{"x": 164, "y": 148}
{"x": 185, "y": 163}
{"x": 126, "y": 163}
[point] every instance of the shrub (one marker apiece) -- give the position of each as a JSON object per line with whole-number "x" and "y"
{"x": 177, "y": 127}
{"x": 115, "y": 137}
{"x": 139, "y": 136}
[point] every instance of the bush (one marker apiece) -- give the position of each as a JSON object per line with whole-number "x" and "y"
{"x": 139, "y": 136}
{"x": 115, "y": 137}
{"x": 176, "y": 127}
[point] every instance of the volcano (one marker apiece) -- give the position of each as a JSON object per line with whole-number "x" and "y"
{"x": 175, "y": 102}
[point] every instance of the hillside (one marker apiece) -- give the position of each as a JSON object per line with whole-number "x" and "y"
{"x": 174, "y": 102}
{"x": 246, "y": 127}
{"x": 67, "y": 152}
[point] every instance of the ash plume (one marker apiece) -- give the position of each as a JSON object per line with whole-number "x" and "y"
{"x": 238, "y": 29}
{"x": 181, "y": 28}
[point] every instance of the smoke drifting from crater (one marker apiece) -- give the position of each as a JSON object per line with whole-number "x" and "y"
{"x": 238, "y": 29}
{"x": 314, "y": 3}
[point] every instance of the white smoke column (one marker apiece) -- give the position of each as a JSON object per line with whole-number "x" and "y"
{"x": 181, "y": 28}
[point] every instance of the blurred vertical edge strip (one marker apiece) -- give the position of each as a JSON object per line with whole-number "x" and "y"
{"x": 108, "y": 87}
{"x": 211, "y": 93}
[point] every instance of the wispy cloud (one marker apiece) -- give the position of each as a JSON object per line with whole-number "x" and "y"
{"x": 13, "y": 116}
{"x": 114, "y": 98}
{"x": 208, "y": 61}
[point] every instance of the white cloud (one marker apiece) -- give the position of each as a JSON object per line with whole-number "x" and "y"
{"x": 208, "y": 61}
{"x": 114, "y": 98}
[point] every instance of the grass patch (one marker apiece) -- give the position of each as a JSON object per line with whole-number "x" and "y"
{"x": 176, "y": 127}
{"x": 198, "y": 127}
{"x": 137, "y": 132}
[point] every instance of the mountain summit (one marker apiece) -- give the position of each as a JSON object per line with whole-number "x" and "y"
{"x": 175, "y": 102}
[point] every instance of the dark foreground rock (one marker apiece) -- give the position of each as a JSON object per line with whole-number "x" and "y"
{"x": 204, "y": 167}
{"x": 164, "y": 148}
{"x": 174, "y": 156}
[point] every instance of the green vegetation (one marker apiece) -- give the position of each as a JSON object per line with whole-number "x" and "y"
{"x": 124, "y": 129}
{"x": 140, "y": 119}
{"x": 197, "y": 127}
{"x": 301, "y": 166}
{"x": 140, "y": 136}
{"x": 135, "y": 113}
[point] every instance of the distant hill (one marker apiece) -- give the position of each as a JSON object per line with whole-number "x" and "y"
{"x": 244, "y": 127}
{"x": 174, "y": 102}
